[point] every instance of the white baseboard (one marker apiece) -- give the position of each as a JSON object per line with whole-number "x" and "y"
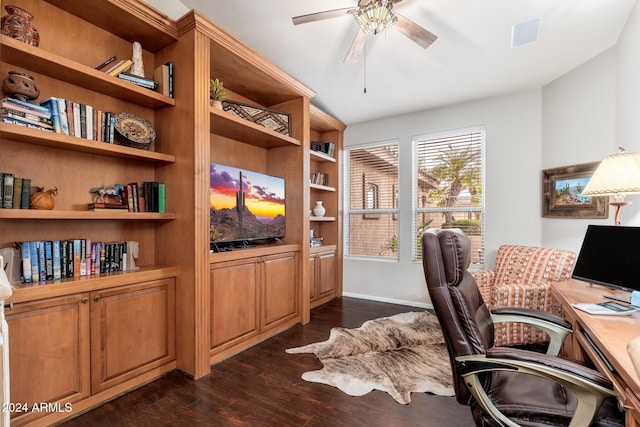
{"x": 388, "y": 300}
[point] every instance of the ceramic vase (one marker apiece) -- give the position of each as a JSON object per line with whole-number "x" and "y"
{"x": 318, "y": 210}
{"x": 216, "y": 104}
{"x": 20, "y": 86}
{"x": 17, "y": 24}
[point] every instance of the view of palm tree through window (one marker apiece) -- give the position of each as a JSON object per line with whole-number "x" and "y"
{"x": 449, "y": 184}
{"x": 447, "y": 192}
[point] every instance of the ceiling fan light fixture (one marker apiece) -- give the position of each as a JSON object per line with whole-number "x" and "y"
{"x": 376, "y": 16}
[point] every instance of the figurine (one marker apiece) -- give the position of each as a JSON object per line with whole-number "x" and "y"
{"x": 43, "y": 199}
{"x": 137, "y": 66}
{"x": 108, "y": 194}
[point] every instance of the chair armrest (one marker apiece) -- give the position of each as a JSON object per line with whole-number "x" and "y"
{"x": 557, "y": 327}
{"x": 589, "y": 386}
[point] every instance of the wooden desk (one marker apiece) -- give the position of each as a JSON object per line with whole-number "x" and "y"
{"x": 611, "y": 334}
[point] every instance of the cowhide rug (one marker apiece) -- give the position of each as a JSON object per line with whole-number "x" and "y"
{"x": 400, "y": 354}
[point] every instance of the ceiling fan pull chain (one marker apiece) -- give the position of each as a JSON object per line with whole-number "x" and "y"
{"x": 365, "y": 66}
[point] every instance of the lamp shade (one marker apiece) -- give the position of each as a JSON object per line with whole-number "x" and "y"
{"x": 617, "y": 174}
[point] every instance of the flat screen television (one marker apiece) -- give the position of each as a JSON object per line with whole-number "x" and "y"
{"x": 246, "y": 206}
{"x": 610, "y": 256}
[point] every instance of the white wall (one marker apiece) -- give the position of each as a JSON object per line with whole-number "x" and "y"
{"x": 578, "y": 126}
{"x": 579, "y": 118}
{"x": 513, "y": 164}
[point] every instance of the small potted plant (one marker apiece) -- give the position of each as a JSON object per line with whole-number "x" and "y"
{"x": 216, "y": 93}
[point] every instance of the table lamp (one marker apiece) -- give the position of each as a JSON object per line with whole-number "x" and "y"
{"x": 617, "y": 175}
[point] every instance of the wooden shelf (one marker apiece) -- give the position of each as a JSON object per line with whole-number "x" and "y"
{"x": 233, "y": 127}
{"x": 322, "y": 218}
{"x": 66, "y": 142}
{"x": 319, "y": 156}
{"x": 323, "y": 248}
{"x": 321, "y": 187}
{"x": 108, "y": 214}
{"x": 52, "y": 288}
{"x": 40, "y": 61}
{"x": 155, "y": 33}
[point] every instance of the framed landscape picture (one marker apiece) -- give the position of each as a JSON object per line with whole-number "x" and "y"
{"x": 562, "y": 193}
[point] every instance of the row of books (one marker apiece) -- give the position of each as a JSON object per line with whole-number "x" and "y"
{"x": 149, "y": 196}
{"x": 319, "y": 178}
{"x": 327, "y": 148}
{"x": 44, "y": 260}
{"x": 81, "y": 120}
{"x": 14, "y": 191}
{"x": 23, "y": 113}
{"x": 162, "y": 77}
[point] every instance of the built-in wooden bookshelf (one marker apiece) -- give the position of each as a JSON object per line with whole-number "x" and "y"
{"x": 64, "y": 316}
{"x": 178, "y": 279}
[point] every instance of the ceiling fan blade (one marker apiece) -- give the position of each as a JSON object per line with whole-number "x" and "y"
{"x": 415, "y": 32}
{"x": 318, "y": 16}
{"x": 357, "y": 46}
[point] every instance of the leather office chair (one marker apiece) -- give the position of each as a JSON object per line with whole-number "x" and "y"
{"x": 506, "y": 386}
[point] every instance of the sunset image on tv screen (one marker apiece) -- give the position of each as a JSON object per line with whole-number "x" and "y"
{"x": 245, "y": 204}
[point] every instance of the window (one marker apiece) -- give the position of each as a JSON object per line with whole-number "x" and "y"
{"x": 448, "y": 183}
{"x": 371, "y": 200}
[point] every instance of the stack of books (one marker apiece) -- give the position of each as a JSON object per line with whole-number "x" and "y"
{"x": 23, "y": 113}
{"x": 14, "y": 191}
{"x": 327, "y": 148}
{"x": 319, "y": 178}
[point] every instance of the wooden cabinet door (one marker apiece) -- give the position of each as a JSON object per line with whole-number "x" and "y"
{"x": 48, "y": 352}
{"x": 132, "y": 331}
{"x": 279, "y": 289}
{"x": 234, "y": 302}
{"x": 313, "y": 277}
{"x": 326, "y": 285}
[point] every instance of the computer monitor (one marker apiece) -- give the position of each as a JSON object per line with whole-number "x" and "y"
{"x": 610, "y": 256}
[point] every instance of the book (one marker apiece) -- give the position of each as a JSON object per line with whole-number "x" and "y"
{"x": 162, "y": 201}
{"x": 70, "y": 121}
{"x": 48, "y": 256}
{"x": 128, "y": 195}
{"x": 77, "y": 123}
{"x": 20, "y": 122}
{"x": 106, "y": 62}
{"x": 57, "y": 267}
{"x": 115, "y": 64}
{"x": 106, "y": 205}
{"x": 42, "y": 262}
{"x": 26, "y": 262}
{"x": 64, "y": 120}
{"x": 89, "y": 121}
{"x": 170, "y": 65}
{"x": 610, "y": 308}
{"x": 120, "y": 68}
{"x": 76, "y": 256}
{"x": 7, "y": 191}
{"x": 17, "y": 192}
{"x": 28, "y": 105}
{"x": 83, "y": 120}
{"x": 26, "y": 193}
{"x": 41, "y": 122}
{"x": 33, "y": 256}
{"x": 30, "y": 111}
{"x": 140, "y": 81}
{"x": 52, "y": 105}
{"x": 161, "y": 75}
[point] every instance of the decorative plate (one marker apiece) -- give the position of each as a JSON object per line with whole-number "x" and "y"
{"x": 134, "y": 129}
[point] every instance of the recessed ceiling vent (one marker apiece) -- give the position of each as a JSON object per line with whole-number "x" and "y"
{"x": 525, "y": 32}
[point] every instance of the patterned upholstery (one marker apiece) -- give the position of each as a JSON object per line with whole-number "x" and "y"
{"x": 521, "y": 279}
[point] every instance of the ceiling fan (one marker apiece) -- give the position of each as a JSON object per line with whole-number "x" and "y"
{"x": 373, "y": 17}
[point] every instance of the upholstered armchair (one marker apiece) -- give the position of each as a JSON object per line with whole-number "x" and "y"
{"x": 521, "y": 278}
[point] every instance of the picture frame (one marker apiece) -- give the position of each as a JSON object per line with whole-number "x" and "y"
{"x": 561, "y": 197}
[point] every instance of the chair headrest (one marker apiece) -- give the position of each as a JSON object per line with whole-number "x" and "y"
{"x": 456, "y": 254}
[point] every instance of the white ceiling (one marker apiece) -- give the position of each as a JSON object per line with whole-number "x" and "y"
{"x": 471, "y": 59}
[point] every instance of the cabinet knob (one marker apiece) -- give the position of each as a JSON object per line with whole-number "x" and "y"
{"x": 84, "y": 300}
{"x": 97, "y": 298}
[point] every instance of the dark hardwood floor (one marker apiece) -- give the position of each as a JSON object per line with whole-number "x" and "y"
{"x": 262, "y": 387}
